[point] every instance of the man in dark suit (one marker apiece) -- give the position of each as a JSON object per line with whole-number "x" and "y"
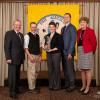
{"x": 69, "y": 39}
{"x": 14, "y": 53}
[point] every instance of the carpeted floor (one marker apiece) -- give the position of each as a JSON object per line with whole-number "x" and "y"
{"x": 45, "y": 94}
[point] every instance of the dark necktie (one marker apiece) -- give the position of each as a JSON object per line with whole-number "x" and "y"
{"x": 19, "y": 36}
{"x": 64, "y": 29}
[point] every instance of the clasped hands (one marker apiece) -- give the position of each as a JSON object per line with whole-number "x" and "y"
{"x": 47, "y": 48}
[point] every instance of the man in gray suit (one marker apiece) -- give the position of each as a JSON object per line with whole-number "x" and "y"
{"x": 69, "y": 39}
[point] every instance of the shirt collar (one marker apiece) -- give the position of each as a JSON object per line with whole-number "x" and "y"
{"x": 67, "y": 24}
{"x": 16, "y": 31}
{"x": 33, "y": 33}
{"x": 52, "y": 32}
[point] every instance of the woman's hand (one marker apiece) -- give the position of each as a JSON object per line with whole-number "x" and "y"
{"x": 52, "y": 49}
{"x": 9, "y": 61}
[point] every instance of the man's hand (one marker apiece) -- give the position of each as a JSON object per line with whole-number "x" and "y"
{"x": 9, "y": 61}
{"x": 69, "y": 56}
{"x": 40, "y": 58}
{"x": 45, "y": 47}
{"x": 31, "y": 59}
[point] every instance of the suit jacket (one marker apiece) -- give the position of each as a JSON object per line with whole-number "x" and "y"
{"x": 69, "y": 39}
{"x": 89, "y": 40}
{"x": 13, "y": 46}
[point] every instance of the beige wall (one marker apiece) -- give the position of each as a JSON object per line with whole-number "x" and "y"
{"x": 11, "y": 11}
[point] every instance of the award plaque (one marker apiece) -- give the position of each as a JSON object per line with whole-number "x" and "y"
{"x": 47, "y": 43}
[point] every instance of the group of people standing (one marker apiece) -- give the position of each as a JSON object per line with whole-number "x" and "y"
{"x": 58, "y": 47}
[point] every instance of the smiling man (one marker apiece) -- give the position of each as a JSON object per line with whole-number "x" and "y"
{"x": 32, "y": 49}
{"x": 14, "y": 52}
{"x": 69, "y": 39}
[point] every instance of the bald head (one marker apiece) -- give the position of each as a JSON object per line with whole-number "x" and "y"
{"x": 17, "y": 25}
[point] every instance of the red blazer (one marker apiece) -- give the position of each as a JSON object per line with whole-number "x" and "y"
{"x": 89, "y": 40}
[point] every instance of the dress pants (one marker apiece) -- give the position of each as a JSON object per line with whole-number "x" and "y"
{"x": 53, "y": 61}
{"x": 13, "y": 78}
{"x": 69, "y": 72}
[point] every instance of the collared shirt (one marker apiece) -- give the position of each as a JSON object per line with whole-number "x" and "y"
{"x": 16, "y": 31}
{"x": 53, "y": 33}
{"x": 26, "y": 41}
{"x": 67, "y": 24}
{"x": 33, "y": 33}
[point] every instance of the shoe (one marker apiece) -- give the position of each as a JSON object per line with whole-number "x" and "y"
{"x": 70, "y": 89}
{"x": 64, "y": 87}
{"x": 85, "y": 93}
{"x": 51, "y": 89}
{"x": 56, "y": 89}
{"x": 98, "y": 93}
{"x": 19, "y": 91}
{"x": 30, "y": 91}
{"x": 14, "y": 96}
{"x": 36, "y": 91}
{"x": 82, "y": 90}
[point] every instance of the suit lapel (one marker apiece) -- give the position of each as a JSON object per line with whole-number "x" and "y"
{"x": 53, "y": 36}
{"x": 65, "y": 29}
{"x": 17, "y": 37}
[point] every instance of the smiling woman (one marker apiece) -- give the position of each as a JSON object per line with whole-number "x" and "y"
{"x": 17, "y": 10}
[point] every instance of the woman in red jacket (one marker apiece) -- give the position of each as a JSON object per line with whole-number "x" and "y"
{"x": 86, "y": 48}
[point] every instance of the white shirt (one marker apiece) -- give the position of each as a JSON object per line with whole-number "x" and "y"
{"x": 67, "y": 24}
{"x": 52, "y": 32}
{"x": 33, "y": 33}
{"x": 15, "y": 31}
{"x": 26, "y": 41}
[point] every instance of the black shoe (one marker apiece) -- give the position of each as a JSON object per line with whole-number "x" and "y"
{"x": 19, "y": 91}
{"x": 70, "y": 89}
{"x": 56, "y": 89}
{"x": 36, "y": 91}
{"x": 82, "y": 90}
{"x": 64, "y": 87}
{"x": 14, "y": 96}
{"x": 85, "y": 93}
{"x": 51, "y": 89}
{"x": 30, "y": 91}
